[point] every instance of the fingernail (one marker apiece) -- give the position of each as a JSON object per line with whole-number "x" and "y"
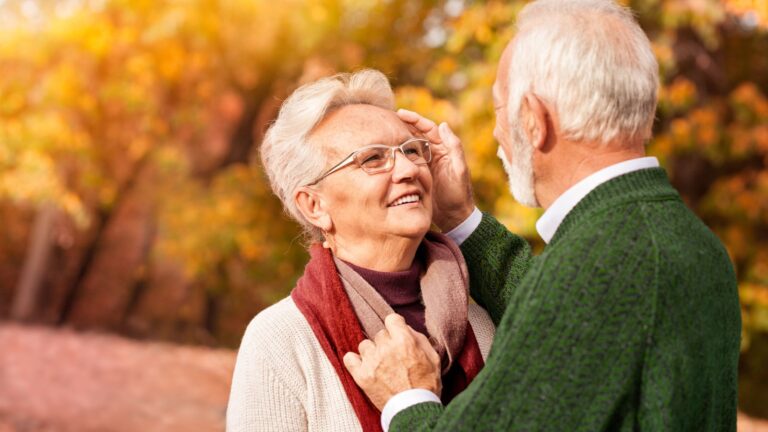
{"x": 348, "y": 359}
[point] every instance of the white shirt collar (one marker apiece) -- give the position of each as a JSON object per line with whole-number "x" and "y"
{"x": 549, "y": 222}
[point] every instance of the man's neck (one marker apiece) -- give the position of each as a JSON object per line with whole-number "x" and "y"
{"x": 578, "y": 163}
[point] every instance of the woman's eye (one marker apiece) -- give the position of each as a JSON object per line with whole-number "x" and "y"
{"x": 371, "y": 158}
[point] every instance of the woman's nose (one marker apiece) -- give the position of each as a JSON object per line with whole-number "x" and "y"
{"x": 404, "y": 168}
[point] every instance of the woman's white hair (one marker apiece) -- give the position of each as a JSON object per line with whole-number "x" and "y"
{"x": 591, "y": 61}
{"x": 290, "y": 159}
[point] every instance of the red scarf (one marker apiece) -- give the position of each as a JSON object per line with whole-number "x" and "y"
{"x": 321, "y": 298}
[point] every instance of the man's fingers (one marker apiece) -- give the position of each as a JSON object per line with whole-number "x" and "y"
{"x": 365, "y": 347}
{"x": 423, "y": 342}
{"x": 397, "y": 327}
{"x": 396, "y": 365}
{"x": 423, "y": 125}
{"x": 352, "y": 362}
{"x": 393, "y": 319}
{"x": 381, "y": 336}
{"x": 415, "y": 119}
{"x": 412, "y": 129}
{"x": 408, "y": 116}
{"x": 448, "y": 137}
{"x": 354, "y": 365}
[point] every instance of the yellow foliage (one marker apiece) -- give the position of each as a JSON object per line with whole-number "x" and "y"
{"x": 677, "y": 96}
{"x": 421, "y": 100}
{"x": 754, "y": 298}
{"x": 754, "y": 294}
{"x": 748, "y": 96}
{"x": 33, "y": 179}
{"x": 518, "y": 218}
{"x": 73, "y": 206}
{"x": 681, "y": 132}
{"x": 250, "y": 245}
{"x": 84, "y": 97}
{"x": 661, "y": 147}
{"x": 755, "y": 11}
{"x": 171, "y": 60}
{"x": 665, "y": 55}
{"x": 705, "y": 120}
{"x": 741, "y": 141}
{"x": 446, "y": 66}
{"x": 758, "y": 271}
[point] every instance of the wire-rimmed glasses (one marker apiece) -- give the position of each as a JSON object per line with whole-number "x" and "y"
{"x": 378, "y": 158}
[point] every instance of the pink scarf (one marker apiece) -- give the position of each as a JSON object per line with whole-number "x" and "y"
{"x": 321, "y": 297}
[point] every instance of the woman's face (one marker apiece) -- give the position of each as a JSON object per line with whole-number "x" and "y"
{"x": 371, "y": 206}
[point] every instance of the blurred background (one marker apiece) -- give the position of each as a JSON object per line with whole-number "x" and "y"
{"x": 135, "y": 217}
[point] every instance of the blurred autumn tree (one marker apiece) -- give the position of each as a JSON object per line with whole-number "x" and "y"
{"x": 126, "y": 130}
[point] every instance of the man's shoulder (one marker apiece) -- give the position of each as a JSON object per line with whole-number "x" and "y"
{"x": 622, "y": 228}
{"x": 627, "y": 223}
{"x": 617, "y": 246}
{"x": 661, "y": 234}
{"x": 680, "y": 237}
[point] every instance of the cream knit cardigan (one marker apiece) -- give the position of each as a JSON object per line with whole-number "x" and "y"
{"x": 283, "y": 380}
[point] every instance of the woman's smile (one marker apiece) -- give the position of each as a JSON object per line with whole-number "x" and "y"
{"x": 403, "y": 200}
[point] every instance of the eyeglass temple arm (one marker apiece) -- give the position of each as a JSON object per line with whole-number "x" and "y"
{"x": 337, "y": 167}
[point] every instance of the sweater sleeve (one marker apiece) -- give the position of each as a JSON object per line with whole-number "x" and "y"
{"x": 260, "y": 399}
{"x": 497, "y": 260}
{"x": 567, "y": 353}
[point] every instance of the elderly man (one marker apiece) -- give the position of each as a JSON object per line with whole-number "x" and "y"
{"x": 629, "y": 319}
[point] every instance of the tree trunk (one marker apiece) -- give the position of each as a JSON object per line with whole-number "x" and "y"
{"x": 104, "y": 291}
{"x": 33, "y": 272}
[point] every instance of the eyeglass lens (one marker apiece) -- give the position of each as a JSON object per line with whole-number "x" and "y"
{"x": 381, "y": 157}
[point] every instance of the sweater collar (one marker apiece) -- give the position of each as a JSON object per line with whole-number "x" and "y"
{"x": 550, "y": 221}
{"x": 638, "y": 186}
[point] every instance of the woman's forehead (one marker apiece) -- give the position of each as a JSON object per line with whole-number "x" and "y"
{"x": 354, "y": 126}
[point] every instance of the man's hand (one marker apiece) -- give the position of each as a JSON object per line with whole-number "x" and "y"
{"x": 452, "y": 191}
{"x": 398, "y": 359}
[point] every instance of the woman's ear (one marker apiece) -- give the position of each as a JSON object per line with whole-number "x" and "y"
{"x": 312, "y": 207}
{"x": 533, "y": 116}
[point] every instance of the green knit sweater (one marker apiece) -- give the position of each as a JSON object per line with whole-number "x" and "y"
{"x": 628, "y": 320}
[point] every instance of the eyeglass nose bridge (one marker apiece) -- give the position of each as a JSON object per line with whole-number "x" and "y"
{"x": 393, "y": 157}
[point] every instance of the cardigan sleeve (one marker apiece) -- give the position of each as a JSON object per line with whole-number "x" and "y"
{"x": 260, "y": 399}
{"x": 497, "y": 260}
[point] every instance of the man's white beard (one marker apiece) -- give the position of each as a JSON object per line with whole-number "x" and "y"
{"x": 520, "y": 171}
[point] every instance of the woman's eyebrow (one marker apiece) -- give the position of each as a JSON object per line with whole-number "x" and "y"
{"x": 390, "y": 142}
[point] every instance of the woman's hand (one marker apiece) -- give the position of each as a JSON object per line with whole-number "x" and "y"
{"x": 398, "y": 359}
{"x": 452, "y": 192}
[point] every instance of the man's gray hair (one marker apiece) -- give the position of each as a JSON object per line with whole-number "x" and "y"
{"x": 290, "y": 159}
{"x": 591, "y": 61}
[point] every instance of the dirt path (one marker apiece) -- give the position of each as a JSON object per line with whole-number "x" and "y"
{"x": 61, "y": 381}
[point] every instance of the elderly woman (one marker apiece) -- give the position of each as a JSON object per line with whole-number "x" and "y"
{"x": 353, "y": 175}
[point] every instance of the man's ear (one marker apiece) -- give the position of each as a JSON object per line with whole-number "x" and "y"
{"x": 533, "y": 117}
{"x": 312, "y": 207}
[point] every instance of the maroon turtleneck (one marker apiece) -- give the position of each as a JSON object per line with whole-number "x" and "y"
{"x": 401, "y": 290}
